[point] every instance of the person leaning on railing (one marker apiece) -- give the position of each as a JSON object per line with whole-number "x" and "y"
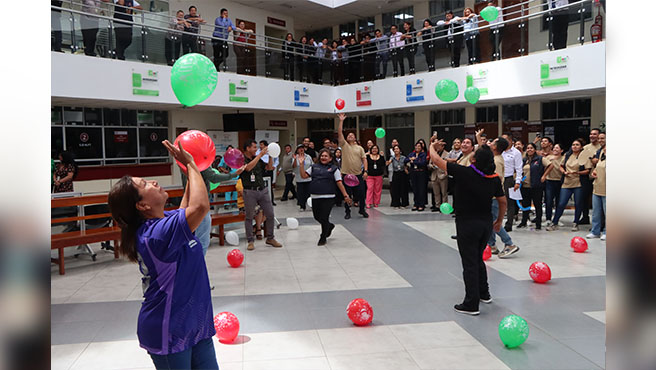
{"x": 496, "y": 31}
{"x": 123, "y": 10}
{"x": 470, "y": 20}
{"x": 303, "y": 59}
{"x": 396, "y": 44}
{"x": 383, "y": 55}
{"x": 427, "y": 33}
{"x": 174, "y": 37}
{"x": 222, "y": 28}
{"x": 190, "y": 43}
{"x": 89, "y": 25}
{"x": 241, "y": 36}
{"x": 288, "y": 47}
{"x": 411, "y": 46}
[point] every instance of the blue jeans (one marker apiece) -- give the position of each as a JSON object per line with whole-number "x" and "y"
{"x": 552, "y": 196}
{"x": 565, "y": 194}
{"x": 200, "y": 356}
{"x": 505, "y": 238}
{"x": 203, "y": 232}
{"x": 231, "y": 195}
{"x": 598, "y": 212}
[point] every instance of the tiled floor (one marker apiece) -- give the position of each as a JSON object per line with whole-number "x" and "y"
{"x": 291, "y": 301}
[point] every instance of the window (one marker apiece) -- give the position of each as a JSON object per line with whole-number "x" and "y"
{"x": 397, "y": 18}
{"x": 567, "y": 109}
{"x": 366, "y": 25}
{"x": 572, "y": 11}
{"x": 514, "y": 113}
{"x": 321, "y": 34}
{"x": 582, "y": 108}
{"x": 487, "y": 114}
{"x": 437, "y": 8}
{"x": 447, "y": 117}
{"x": 150, "y": 142}
{"x": 56, "y": 116}
{"x": 73, "y": 116}
{"x": 549, "y": 110}
{"x": 56, "y": 141}
{"x": 347, "y": 29}
{"x": 93, "y": 116}
{"x": 370, "y": 122}
{"x": 400, "y": 126}
{"x": 85, "y": 142}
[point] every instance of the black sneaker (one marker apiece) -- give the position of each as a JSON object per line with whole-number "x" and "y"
{"x": 454, "y": 237}
{"x": 486, "y": 299}
{"x": 521, "y": 225}
{"x": 584, "y": 221}
{"x": 347, "y": 216}
{"x": 460, "y": 308}
{"x": 508, "y": 228}
{"x": 364, "y": 214}
{"x": 322, "y": 241}
{"x": 434, "y": 209}
{"x": 283, "y": 199}
{"x": 330, "y": 230}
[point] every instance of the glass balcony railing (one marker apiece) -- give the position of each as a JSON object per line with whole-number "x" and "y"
{"x": 113, "y": 31}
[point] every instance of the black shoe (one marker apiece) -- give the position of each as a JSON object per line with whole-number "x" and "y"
{"x": 508, "y": 228}
{"x": 364, "y": 214}
{"x": 434, "y": 209}
{"x": 283, "y": 199}
{"x": 293, "y": 197}
{"x": 486, "y": 298}
{"x": 521, "y": 225}
{"x": 330, "y": 230}
{"x": 347, "y": 216}
{"x": 273, "y": 204}
{"x": 322, "y": 241}
{"x": 584, "y": 221}
{"x": 460, "y": 308}
{"x": 454, "y": 237}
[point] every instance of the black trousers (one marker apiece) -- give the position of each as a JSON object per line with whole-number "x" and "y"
{"x": 409, "y": 52}
{"x": 473, "y": 49}
{"x": 559, "y": 30}
{"x": 381, "y": 58}
{"x": 496, "y": 51}
{"x": 355, "y": 70}
{"x": 220, "y": 49}
{"x": 455, "y": 44}
{"x": 288, "y": 64}
{"x": 508, "y": 183}
{"x": 397, "y": 60}
{"x": 55, "y": 25}
{"x": 289, "y": 186}
{"x": 89, "y": 34}
{"x": 123, "y": 40}
{"x": 419, "y": 181}
{"x": 430, "y": 55}
{"x": 172, "y": 50}
{"x": 472, "y": 239}
{"x": 357, "y": 194}
{"x": 321, "y": 208}
{"x": 302, "y": 193}
{"x": 532, "y": 195}
{"x": 586, "y": 184}
{"x": 399, "y": 189}
{"x": 303, "y": 70}
{"x": 318, "y": 78}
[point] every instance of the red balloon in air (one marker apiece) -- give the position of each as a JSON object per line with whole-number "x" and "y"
{"x": 540, "y": 272}
{"x": 235, "y": 257}
{"x": 339, "y": 104}
{"x": 234, "y": 158}
{"x": 227, "y": 327}
{"x": 360, "y": 312}
{"x": 487, "y": 253}
{"x": 200, "y": 146}
{"x": 579, "y": 244}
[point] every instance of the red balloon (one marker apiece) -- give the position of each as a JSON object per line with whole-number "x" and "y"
{"x": 360, "y": 312}
{"x": 235, "y": 257}
{"x": 339, "y": 104}
{"x": 200, "y": 146}
{"x": 227, "y": 326}
{"x": 233, "y": 158}
{"x": 579, "y": 244}
{"x": 540, "y": 272}
{"x": 487, "y": 253}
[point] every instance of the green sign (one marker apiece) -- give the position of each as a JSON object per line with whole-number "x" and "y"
{"x": 554, "y": 74}
{"x": 146, "y": 83}
{"x": 238, "y": 91}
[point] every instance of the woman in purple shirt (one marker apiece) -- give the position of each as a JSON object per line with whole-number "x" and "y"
{"x": 175, "y": 321}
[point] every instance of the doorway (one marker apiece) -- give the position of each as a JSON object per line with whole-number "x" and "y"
{"x": 563, "y": 132}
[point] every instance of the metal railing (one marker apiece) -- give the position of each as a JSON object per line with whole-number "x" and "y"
{"x": 255, "y": 54}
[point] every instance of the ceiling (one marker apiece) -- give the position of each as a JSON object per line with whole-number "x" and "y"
{"x": 310, "y": 16}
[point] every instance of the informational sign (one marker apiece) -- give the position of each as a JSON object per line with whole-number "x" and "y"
{"x": 479, "y": 79}
{"x": 554, "y": 72}
{"x": 273, "y": 123}
{"x": 414, "y": 90}
{"x": 276, "y": 21}
{"x": 120, "y": 136}
{"x": 301, "y": 96}
{"x": 145, "y": 82}
{"x": 271, "y": 136}
{"x": 222, "y": 139}
{"x": 363, "y": 96}
{"x": 238, "y": 91}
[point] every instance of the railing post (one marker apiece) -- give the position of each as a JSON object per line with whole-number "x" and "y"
{"x": 582, "y": 23}
{"x": 550, "y": 26}
{"x": 110, "y": 39}
{"x": 522, "y": 28}
{"x": 73, "y": 43}
{"x": 144, "y": 32}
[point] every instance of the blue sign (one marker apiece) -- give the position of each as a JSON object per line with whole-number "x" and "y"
{"x": 414, "y": 90}
{"x": 302, "y": 97}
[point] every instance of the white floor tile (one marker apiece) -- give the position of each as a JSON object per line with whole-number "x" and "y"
{"x": 458, "y": 358}
{"x": 432, "y": 335}
{"x": 63, "y": 356}
{"x": 359, "y": 340}
{"x": 283, "y": 345}
{"x": 597, "y": 315}
{"x": 311, "y": 363}
{"x": 378, "y": 361}
{"x": 113, "y": 355}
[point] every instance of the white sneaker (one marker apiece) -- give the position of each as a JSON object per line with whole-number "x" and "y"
{"x": 575, "y": 227}
{"x": 603, "y": 237}
{"x": 591, "y": 236}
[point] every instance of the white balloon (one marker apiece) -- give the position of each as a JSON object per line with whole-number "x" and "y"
{"x": 292, "y": 223}
{"x": 309, "y": 202}
{"x": 232, "y": 238}
{"x": 274, "y": 150}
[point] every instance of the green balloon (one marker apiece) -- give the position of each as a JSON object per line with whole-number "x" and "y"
{"x": 446, "y": 208}
{"x": 513, "y": 331}
{"x": 472, "y": 94}
{"x": 490, "y": 13}
{"x": 446, "y": 90}
{"x": 193, "y": 79}
{"x": 380, "y": 132}
{"x": 213, "y": 185}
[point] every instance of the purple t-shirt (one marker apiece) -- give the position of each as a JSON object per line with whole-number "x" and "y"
{"x": 176, "y": 312}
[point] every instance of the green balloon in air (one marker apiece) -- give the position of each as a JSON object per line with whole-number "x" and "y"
{"x": 446, "y": 208}
{"x": 380, "y": 132}
{"x": 472, "y": 94}
{"x": 513, "y": 331}
{"x": 446, "y": 90}
{"x": 490, "y": 13}
{"x": 193, "y": 79}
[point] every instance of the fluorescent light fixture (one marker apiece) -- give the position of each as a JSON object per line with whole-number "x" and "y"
{"x": 401, "y": 16}
{"x": 332, "y": 3}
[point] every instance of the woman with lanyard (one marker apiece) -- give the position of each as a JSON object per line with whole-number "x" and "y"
{"x": 553, "y": 180}
{"x": 399, "y": 185}
{"x": 324, "y": 176}
{"x": 302, "y": 183}
{"x": 470, "y": 20}
{"x": 599, "y": 197}
{"x": 533, "y": 185}
{"x": 417, "y": 163}
{"x": 289, "y": 47}
{"x": 427, "y": 34}
{"x": 175, "y": 321}
{"x": 376, "y": 169}
{"x": 574, "y": 166}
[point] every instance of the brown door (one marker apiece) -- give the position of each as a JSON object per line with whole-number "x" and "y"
{"x": 518, "y": 130}
{"x": 511, "y": 40}
{"x": 250, "y": 57}
{"x": 367, "y": 134}
{"x": 243, "y": 136}
{"x": 490, "y": 129}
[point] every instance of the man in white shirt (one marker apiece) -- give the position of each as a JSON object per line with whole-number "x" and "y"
{"x": 496, "y": 31}
{"x": 390, "y": 168}
{"x": 559, "y": 24}
{"x": 396, "y": 44}
{"x": 512, "y": 161}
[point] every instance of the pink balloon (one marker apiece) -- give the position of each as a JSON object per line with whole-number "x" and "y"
{"x": 227, "y": 326}
{"x": 487, "y": 253}
{"x": 339, "y": 104}
{"x": 200, "y": 146}
{"x": 540, "y": 272}
{"x": 579, "y": 244}
{"x": 235, "y": 258}
{"x": 233, "y": 158}
{"x": 360, "y": 312}
{"x": 351, "y": 180}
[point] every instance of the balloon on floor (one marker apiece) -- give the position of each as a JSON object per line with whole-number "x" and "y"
{"x": 292, "y": 223}
{"x": 446, "y": 208}
{"x": 235, "y": 258}
{"x": 234, "y": 158}
{"x": 351, "y": 180}
{"x": 380, "y": 132}
{"x": 232, "y": 238}
{"x": 446, "y": 90}
{"x": 579, "y": 244}
{"x": 227, "y": 327}
{"x": 360, "y": 312}
{"x": 199, "y": 145}
{"x": 513, "y": 331}
{"x": 273, "y": 150}
{"x": 193, "y": 79}
{"x": 340, "y": 104}
{"x": 487, "y": 253}
{"x": 539, "y": 272}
